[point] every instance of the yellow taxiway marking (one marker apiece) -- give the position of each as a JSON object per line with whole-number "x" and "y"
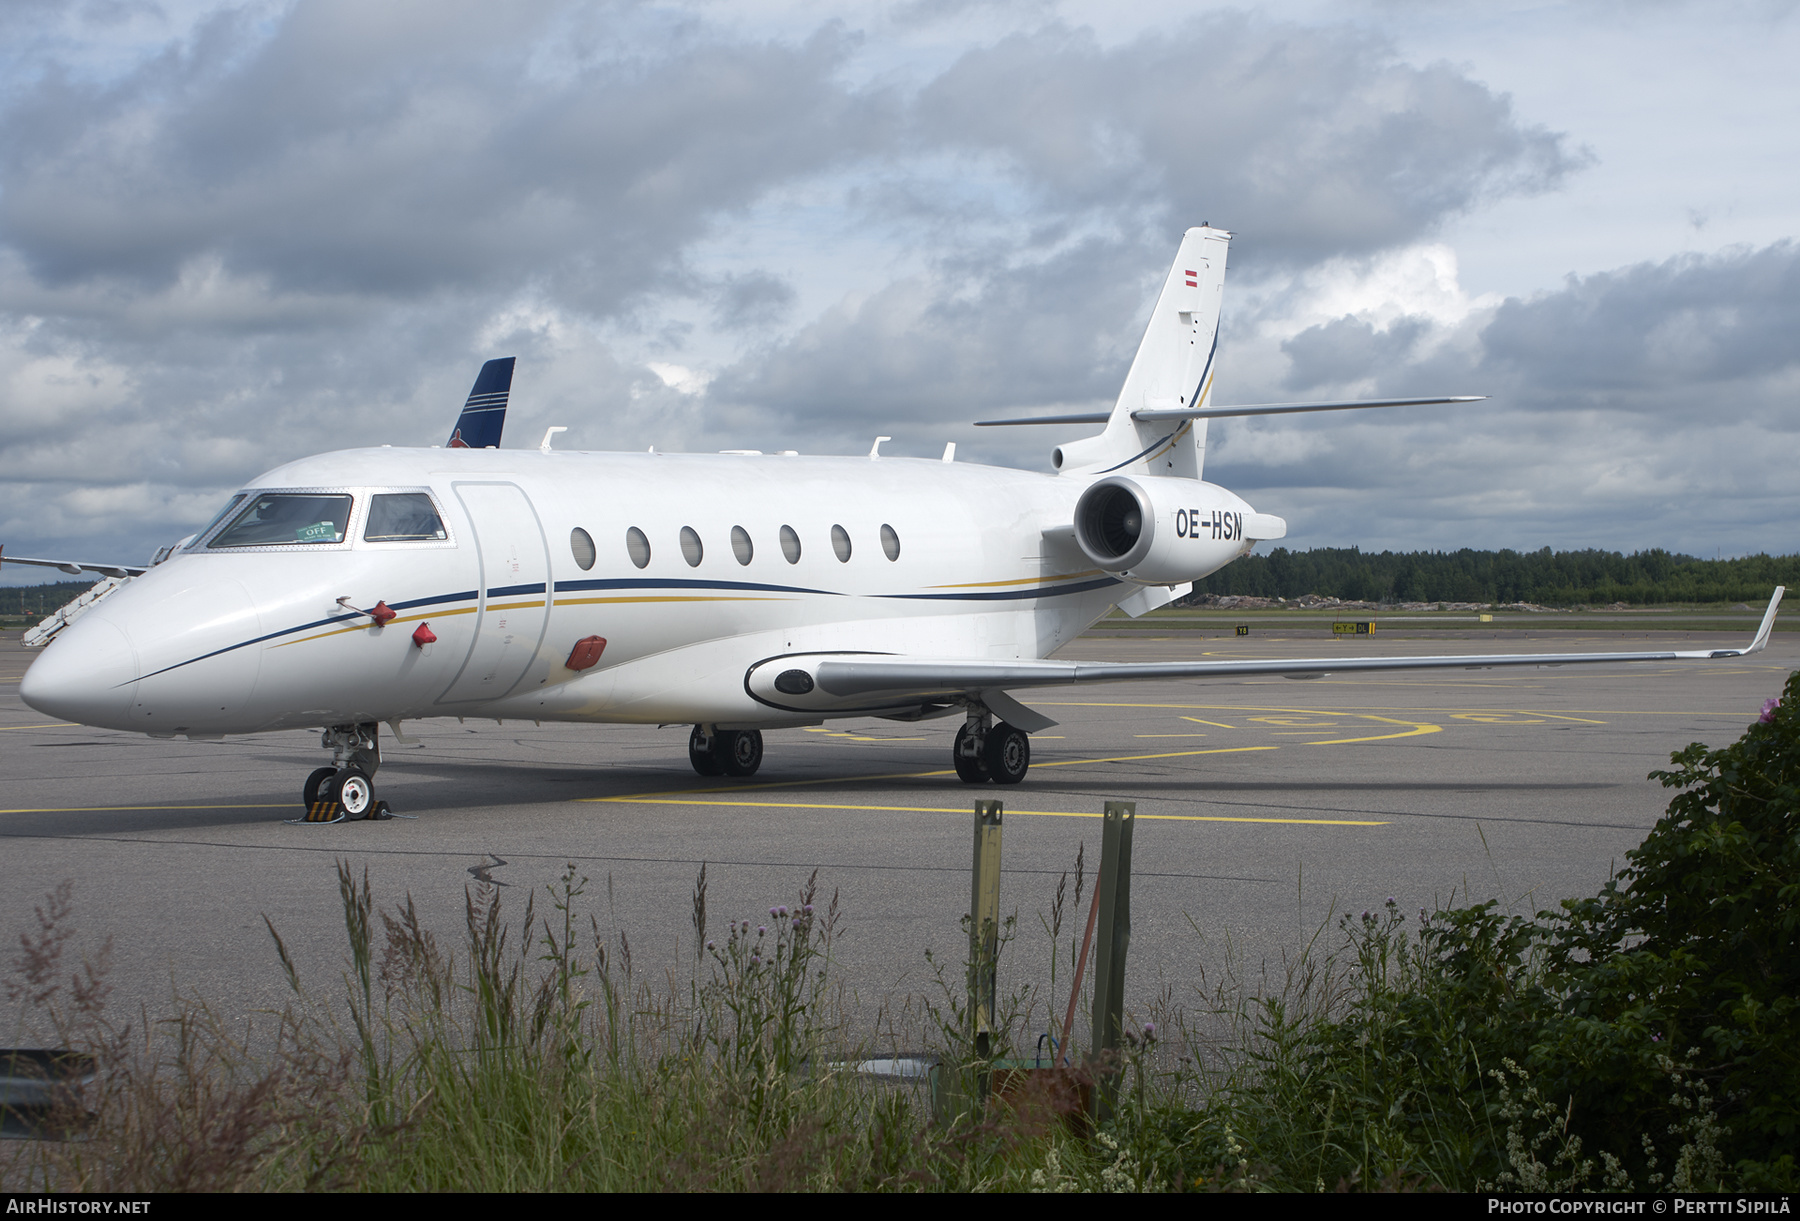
{"x": 855, "y": 737}
{"x": 792, "y": 784}
{"x": 279, "y": 805}
{"x": 1350, "y": 711}
{"x": 832, "y": 805}
{"x": 50, "y": 725}
{"x": 1203, "y": 721}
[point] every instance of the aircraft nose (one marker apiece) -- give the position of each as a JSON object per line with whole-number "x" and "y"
{"x": 87, "y": 674}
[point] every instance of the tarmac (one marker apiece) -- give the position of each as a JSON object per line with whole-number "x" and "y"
{"x": 1267, "y": 810}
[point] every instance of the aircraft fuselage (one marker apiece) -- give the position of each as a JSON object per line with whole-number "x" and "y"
{"x": 749, "y": 557}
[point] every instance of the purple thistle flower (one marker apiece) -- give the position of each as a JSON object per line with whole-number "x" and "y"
{"x": 796, "y": 923}
{"x": 783, "y": 910}
{"x": 709, "y": 945}
{"x": 761, "y": 929}
{"x": 1768, "y": 711}
{"x": 773, "y": 911}
{"x": 807, "y": 909}
{"x": 1149, "y": 1030}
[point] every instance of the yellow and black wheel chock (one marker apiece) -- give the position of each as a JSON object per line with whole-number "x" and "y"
{"x": 324, "y": 812}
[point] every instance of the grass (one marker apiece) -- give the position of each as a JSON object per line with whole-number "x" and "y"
{"x": 536, "y": 1058}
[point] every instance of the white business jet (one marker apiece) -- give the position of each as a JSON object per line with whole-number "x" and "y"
{"x": 732, "y": 592}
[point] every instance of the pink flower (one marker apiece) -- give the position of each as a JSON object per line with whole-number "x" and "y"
{"x": 1768, "y": 710}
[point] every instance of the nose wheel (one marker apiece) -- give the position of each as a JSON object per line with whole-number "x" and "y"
{"x": 345, "y": 790}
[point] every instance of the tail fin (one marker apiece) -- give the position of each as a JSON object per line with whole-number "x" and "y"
{"x": 484, "y": 415}
{"x": 1174, "y": 368}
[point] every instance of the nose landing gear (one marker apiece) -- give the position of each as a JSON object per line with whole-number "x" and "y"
{"x": 347, "y": 788}
{"x": 725, "y": 752}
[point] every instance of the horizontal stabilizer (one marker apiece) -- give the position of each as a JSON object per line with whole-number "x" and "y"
{"x": 1172, "y": 412}
{"x": 1148, "y": 415}
{"x": 484, "y": 415}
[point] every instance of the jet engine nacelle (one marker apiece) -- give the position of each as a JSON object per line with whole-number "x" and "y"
{"x": 1162, "y": 531}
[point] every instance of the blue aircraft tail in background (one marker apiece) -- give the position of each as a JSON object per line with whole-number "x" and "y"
{"x": 484, "y": 415}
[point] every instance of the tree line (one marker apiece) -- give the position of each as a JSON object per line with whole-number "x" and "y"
{"x": 1545, "y": 577}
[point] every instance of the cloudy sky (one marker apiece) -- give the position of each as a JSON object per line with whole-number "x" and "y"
{"x": 232, "y": 234}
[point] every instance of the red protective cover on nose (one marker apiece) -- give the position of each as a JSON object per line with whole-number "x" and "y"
{"x": 423, "y": 635}
{"x": 586, "y": 652}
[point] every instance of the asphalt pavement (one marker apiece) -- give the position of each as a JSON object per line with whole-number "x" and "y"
{"x": 1267, "y": 808}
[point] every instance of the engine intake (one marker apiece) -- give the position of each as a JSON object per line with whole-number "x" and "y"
{"x": 1156, "y": 530}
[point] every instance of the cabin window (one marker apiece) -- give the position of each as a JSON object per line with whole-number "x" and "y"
{"x": 890, "y": 542}
{"x": 637, "y": 547}
{"x": 403, "y": 517}
{"x": 790, "y": 544}
{"x": 741, "y": 545}
{"x": 840, "y": 543}
{"x": 581, "y": 544}
{"x": 691, "y": 550}
{"x": 278, "y": 519}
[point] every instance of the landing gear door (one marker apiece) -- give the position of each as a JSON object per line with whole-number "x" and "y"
{"x": 512, "y": 605}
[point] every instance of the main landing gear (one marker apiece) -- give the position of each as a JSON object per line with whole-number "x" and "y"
{"x": 346, "y": 789}
{"x": 989, "y": 750}
{"x": 725, "y": 752}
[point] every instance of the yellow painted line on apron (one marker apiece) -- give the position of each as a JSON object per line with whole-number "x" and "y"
{"x": 1011, "y": 813}
{"x": 1415, "y": 729}
{"x": 50, "y": 725}
{"x": 794, "y": 784}
{"x": 279, "y": 805}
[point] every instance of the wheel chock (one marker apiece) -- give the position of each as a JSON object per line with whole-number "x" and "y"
{"x": 319, "y": 813}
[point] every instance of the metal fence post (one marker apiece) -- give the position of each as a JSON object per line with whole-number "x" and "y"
{"x": 984, "y": 925}
{"x": 1115, "y": 938}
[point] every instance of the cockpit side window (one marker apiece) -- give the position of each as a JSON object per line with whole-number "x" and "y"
{"x": 277, "y": 519}
{"x": 403, "y": 517}
{"x": 222, "y": 514}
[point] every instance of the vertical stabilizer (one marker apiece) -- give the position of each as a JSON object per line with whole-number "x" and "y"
{"x": 1175, "y": 366}
{"x": 484, "y": 415}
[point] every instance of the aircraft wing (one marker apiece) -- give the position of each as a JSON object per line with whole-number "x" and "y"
{"x": 77, "y": 567}
{"x": 874, "y": 681}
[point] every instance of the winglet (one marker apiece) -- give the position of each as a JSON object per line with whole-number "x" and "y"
{"x": 1761, "y": 639}
{"x": 1768, "y": 623}
{"x": 484, "y": 415}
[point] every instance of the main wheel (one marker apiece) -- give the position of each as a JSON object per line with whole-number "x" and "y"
{"x": 970, "y": 769}
{"x": 309, "y": 793}
{"x": 706, "y": 761}
{"x": 743, "y": 751}
{"x": 1008, "y": 753}
{"x": 355, "y": 791}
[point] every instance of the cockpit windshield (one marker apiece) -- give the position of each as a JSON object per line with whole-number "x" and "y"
{"x": 276, "y": 519}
